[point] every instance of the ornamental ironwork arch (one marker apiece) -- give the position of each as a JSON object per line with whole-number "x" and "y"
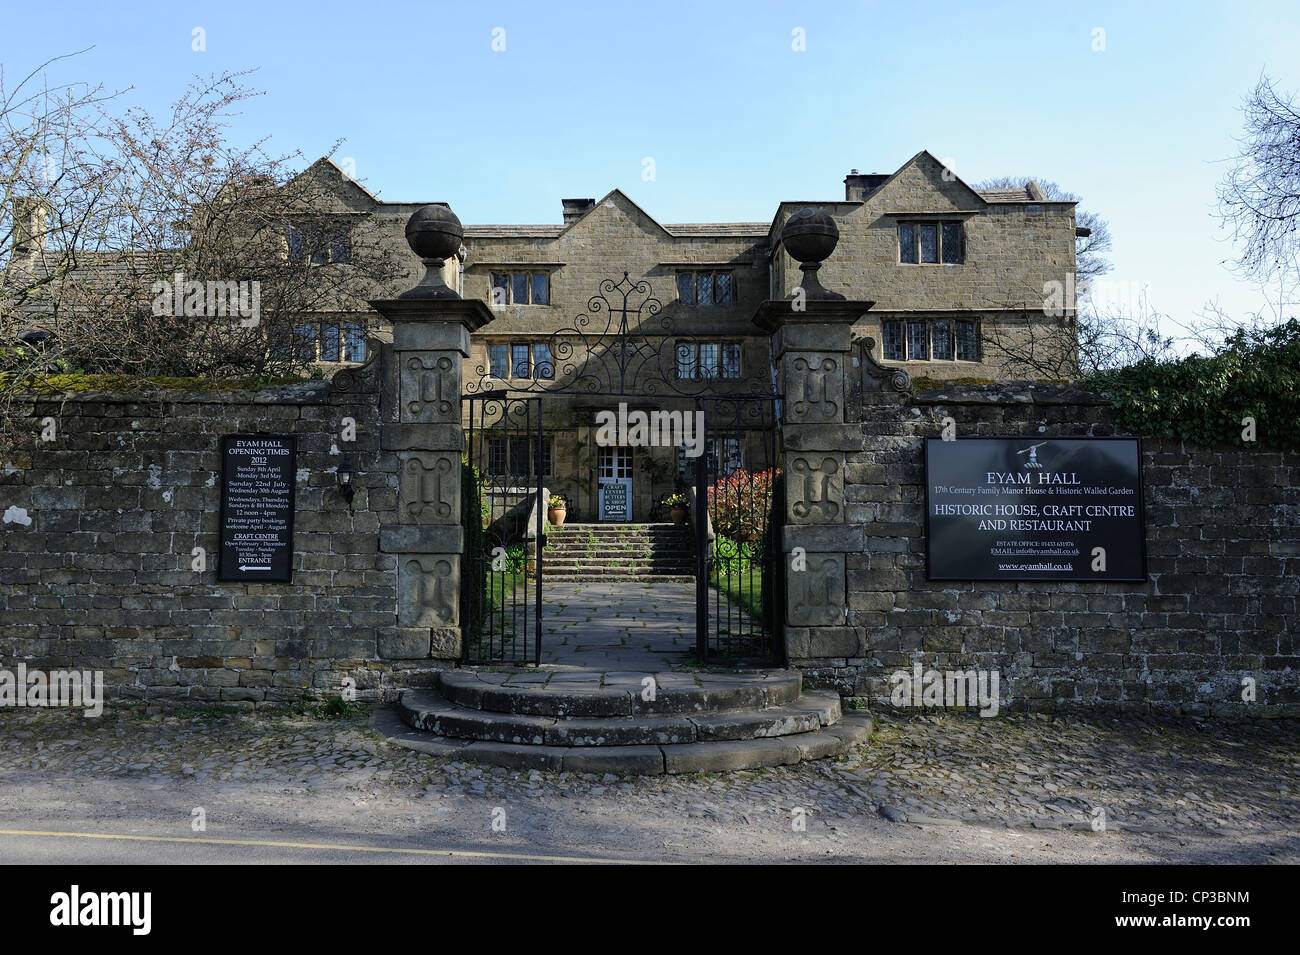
{"x": 623, "y": 345}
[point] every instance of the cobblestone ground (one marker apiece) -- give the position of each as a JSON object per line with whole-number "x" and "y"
{"x": 983, "y": 790}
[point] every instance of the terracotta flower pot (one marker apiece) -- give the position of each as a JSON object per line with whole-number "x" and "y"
{"x": 556, "y": 515}
{"x": 678, "y": 514}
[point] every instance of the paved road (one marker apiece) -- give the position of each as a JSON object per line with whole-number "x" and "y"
{"x": 965, "y": 790}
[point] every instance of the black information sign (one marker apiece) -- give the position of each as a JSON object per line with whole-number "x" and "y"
{"x": 258, "y": 473}
{"x": 1034, "y": 508}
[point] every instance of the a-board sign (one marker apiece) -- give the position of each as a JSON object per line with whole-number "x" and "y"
{"x": 258, "y": 473}
{"x": 616, "y": 500}
{"x": 1034, "y": 508}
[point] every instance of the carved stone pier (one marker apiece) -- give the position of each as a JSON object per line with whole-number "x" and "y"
{"x": 422, "y": 425}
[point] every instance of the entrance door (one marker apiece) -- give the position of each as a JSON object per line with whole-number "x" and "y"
{"x": 614, "y": 475}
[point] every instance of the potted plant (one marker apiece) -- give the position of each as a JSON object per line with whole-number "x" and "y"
{"x": 556, "y": 508}
{"x": 678, "y": 507}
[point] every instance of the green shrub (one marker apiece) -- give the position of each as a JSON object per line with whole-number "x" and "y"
{"x": 1203, "y": 400}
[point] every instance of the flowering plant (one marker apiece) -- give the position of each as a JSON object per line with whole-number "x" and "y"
{"x": 739, "y": 503}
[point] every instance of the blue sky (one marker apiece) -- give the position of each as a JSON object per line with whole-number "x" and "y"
{"x": 734, "y": 118}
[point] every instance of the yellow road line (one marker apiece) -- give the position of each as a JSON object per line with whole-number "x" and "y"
{"x": 456, "y": 853}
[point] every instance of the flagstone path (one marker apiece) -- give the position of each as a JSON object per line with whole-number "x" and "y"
{"x": 618, "y": 626}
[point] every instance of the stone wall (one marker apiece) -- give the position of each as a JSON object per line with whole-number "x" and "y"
{"x": 1220, "y": 605}
{"x": 102, "y": 578}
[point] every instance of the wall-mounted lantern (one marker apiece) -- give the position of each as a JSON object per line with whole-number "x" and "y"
{"x": 345, "y": 474}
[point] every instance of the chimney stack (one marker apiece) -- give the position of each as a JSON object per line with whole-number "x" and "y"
{"x": 31, "y": 223}
{"x": 857, "y": 186}
{"x": 575, "y": 209}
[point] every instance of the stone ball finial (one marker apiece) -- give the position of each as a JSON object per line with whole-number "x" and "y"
{"x": 434, "y": 234}
{"x": 810, "y": 236}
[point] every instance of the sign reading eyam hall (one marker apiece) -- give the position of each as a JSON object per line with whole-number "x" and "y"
{"x": 257, "y": 485}
{"x": 1034, "y": 508}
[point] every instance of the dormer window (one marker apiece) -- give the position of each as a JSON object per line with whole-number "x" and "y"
{"x": 930, "y": 243}
{"x": 705, "y": 288}
{"x": 521, "y": 288}
{"x": 320, "y": 243}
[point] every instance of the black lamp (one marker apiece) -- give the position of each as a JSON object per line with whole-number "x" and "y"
{"x": 345, "y": 473}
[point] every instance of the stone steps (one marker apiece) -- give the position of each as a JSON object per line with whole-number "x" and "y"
{"x": 614, "y": 550}
{"x": 429, "y": 711}
{"x": 618, "y": 552}
{"x": 586, "y": 577}
{"x": 615, "y": 563}
{"x": 720, "y": 756}
{"x": 579, "y": 722}
{"x": 683, "y": 553}
{"x": 549, "y": 693}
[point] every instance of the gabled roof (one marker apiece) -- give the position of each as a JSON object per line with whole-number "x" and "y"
{"x": 721, "y": 229}
{"x": 916, "y": 159}
{"x": 333, "y": 169}
{"x": 612, "y": 194}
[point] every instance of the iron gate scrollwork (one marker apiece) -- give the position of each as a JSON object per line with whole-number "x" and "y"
{"x": 623, "y": 345}
{"x": 505, "y": 524}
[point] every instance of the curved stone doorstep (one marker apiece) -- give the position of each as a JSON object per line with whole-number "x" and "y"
{"x": 426, "y": 711}
{"x": 707, "y": 756}
{"x": 731, "y": 691}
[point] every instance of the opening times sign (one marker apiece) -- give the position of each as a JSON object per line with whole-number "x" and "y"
{"x": 1034, "y": 508}
{"x": 257, "y": 485}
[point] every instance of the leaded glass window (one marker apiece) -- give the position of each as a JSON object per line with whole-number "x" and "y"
{"x": 722, "y": 288}
{"x": 704, "y": 288}
{"x": 519, "y": 361}
{"x": 952, "y": 243}
{"x": 731, "y": 361}
{"x": 941, "y": 341}
{"x": 968, "y": 341}
{"x": 929, "y": 242}
{"x": 906, "y": 242}
{"x": 892, "y": 333}
{"x": 918, "y": 342}
{"x": 499, "y": 362}
{"x": 542, "y": 364}
{"x": 354, "y": 342}
{"x": 708, "y": 361}
{"x": 329, "y": 343}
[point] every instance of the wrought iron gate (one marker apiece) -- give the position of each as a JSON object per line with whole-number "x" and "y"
{"x": 740, "y": 585}
{"x": 504, "y": 516}
{"x": 624, "y": 348}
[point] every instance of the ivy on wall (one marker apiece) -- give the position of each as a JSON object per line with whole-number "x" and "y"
{"x": 1205, "y": 400}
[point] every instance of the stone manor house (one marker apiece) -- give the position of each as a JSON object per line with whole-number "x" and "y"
{"x": 947, "y": 267}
